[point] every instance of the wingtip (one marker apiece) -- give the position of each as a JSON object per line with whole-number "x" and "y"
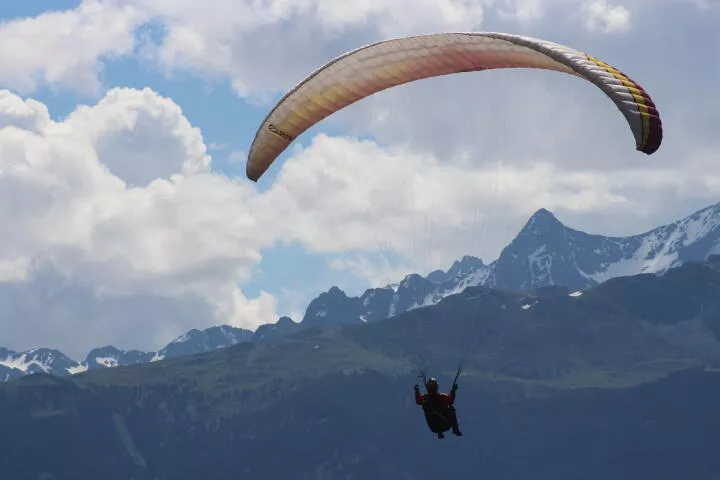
{"x": 251, "y": 174}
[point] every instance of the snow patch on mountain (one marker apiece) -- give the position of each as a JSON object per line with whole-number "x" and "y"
{"x": 21, "y": 362}
{"x": 182, "y": 338}
{"x": 79, "y": 368}
{"x": 157, "y": 357}
{"x": 107, "y": 361}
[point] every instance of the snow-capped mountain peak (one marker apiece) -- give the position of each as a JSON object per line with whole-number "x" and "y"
{"x": 42, "y": 360}
{"x": 109, "y": 356}
{"x": 37, "y": 360}
{"x": 198, "y": 341}
{"x": 544, "y": 253}
{"x": 542, "y": 221}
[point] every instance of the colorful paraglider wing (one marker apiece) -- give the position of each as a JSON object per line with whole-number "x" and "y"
{"x": 367, "y": 70}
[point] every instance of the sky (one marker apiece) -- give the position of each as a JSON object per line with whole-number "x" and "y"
{"x": 126, "y": 218}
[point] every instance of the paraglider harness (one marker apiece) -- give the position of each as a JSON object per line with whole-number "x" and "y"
{"x": 435, "y": 415}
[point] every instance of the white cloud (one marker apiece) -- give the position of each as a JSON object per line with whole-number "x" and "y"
{"x": 264, "y": 47}
{"x": 50, "y": 310}
{"x": 371, "y": 270}
{"x": 607, "y": 18}
{"x": 237, "y": 156}
{"x": 341, "y": 195}
{"x": 140, "y": 136}
{"x": 183, "y": 232}
{"x": 28, "y": 115}
{"x": 259, "y": 46}
{"x": 525, "y": 11}
{"x": 65, "y": 48}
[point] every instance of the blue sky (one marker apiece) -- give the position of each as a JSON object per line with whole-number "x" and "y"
{"x": 389, "y": 185}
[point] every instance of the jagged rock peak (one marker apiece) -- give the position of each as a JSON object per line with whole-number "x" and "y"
{"x": 542, "y": 220}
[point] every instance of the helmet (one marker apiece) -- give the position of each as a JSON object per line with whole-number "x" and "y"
{"x": 432, "y": 385}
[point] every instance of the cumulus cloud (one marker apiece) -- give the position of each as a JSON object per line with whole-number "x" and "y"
{"x": 259, "y": 47}
{"x": 141, "y": 137}
{"x": 342, "y": 195}
{"x": 49, "y": 310}
{"x": 606, "y": 17}
{"x": 27, "y": 115}
{"x": 265, "y": 47}
{"x": 180, "y": 231}
{"x": 525, "y": 11}
{"x": 371, "y": 269}
{"x": 526, "y": 116}
{"x": 38, "y": 51}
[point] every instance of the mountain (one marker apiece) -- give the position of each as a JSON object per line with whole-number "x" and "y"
{"x": 617, "y": 381}
{"x": 37, "y": 360}
{"x": 196, "y": 341}
{"x": 334, "y": 307}
{"x": 275, "y": 331}
{"x": 17, "y": 364}
{"x": 459, "y": 269}
{"x": 665, "y": 430}
{"x": 644, "y": 321}
{"x": 109, "y": 356}
{"x": 544, "y": 253}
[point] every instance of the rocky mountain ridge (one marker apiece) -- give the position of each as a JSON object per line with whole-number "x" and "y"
{"x": 544, "y": 253}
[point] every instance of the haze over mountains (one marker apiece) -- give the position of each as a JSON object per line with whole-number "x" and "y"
{"x": 544, "y": 253}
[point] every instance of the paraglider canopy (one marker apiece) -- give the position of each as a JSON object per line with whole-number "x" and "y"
{"x": 370, "y": 69}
